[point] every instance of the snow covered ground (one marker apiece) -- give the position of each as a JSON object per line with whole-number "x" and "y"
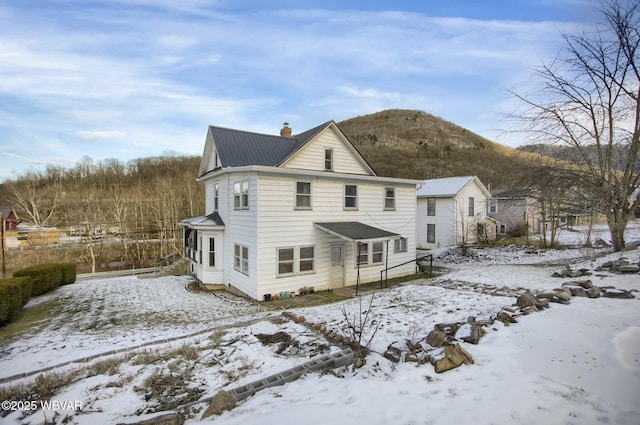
{"x": 569, "y": 364}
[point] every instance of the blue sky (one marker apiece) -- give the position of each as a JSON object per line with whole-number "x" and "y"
{"x": 135, "y": 78}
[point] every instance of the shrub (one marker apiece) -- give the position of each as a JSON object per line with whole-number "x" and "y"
{"x": 14, "y": 293}
{"x": 518, "y": 231}
{"x": 44, "y": 277}
{"x": 68, "y": 273}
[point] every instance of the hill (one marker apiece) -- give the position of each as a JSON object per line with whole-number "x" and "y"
{"x": 415, "y": 144}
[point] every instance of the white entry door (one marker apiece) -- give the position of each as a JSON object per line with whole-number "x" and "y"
{"x": 337, "y": 266}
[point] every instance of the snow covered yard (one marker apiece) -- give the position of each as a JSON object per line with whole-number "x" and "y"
{"x": 569, "y": 364}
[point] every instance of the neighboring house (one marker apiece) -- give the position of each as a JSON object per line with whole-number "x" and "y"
{"x": 453, "y": 211}
{"x": 515, "y": 212}
{"x": 27, "y": 235}
{"x": 9, "y": 218}
{"x": 287, "y": 212}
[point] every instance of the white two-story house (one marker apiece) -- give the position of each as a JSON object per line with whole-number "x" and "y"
{"x": 293, "y": 211}
{"x": 453, "y": 211}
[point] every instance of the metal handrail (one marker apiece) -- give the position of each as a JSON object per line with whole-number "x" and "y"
{"x": 430, "y": 256}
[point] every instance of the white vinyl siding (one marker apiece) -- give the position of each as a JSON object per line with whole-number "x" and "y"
{"x": 312, "y": 155}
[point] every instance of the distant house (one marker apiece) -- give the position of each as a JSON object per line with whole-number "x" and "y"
{"x": 515, "y": 211}
{"x": 453, "y": 211}
{"x": 9, "y": 218}
{"x": 288, "y": 212}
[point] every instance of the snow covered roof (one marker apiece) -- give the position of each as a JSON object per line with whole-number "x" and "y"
{"x": 448, "y": 186}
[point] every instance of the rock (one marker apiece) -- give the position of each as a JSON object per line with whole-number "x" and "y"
{"x": 221, "y": 402}
{"x": 436, "y": 338}
{"x": 448, "y": 328}
{"x": 556, "y": 274}
{"x": 578, "y": 292}
{"x": 629, "y": 268}
{"x": 617, "y": 293}
{"x": 607, "y": 264}
{"x": 586, "y": 284}
{"x": 506, "y": 318}
{"x": 576, "y": 273}
{"x": 477, "y": 332}
{"x": 527, "y": 299}
{"x": 393, "y": 354}
{"x": 454, "y": 356}
{"x": 530, "y": 309}
{"x": 594, "y": 292}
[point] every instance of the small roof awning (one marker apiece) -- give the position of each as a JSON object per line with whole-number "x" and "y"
{"x": 210, "y": 220}
{"x": 354, "y": 231}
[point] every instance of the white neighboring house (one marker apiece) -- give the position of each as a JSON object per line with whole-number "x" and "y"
{"x": 287, "y": 212}
{"x": 453, "y": 211}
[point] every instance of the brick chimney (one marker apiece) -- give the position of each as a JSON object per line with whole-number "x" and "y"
{"x": 286, "y": 130}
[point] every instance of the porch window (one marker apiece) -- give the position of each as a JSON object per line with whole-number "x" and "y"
{"x": 241, "y": 195}
{"x": 303, "y": 195}
{"x": 212, "y": 252}
{"x": 471, "y": 206}
{"x": 389, "y": 198}
{"x": 328, "y": 160}
{"x": 306, "y": 259}
{"x": 431, "y": 233}
{"x": 362, "y": 253}
{"x": 431, "y": 207}
{"x": 400, "y": 245}
{"x": 241, "y": 258}
{"x": 351, "y": 196}
{"x": 200, "y": 251}
{"x": 285, "y": 261}
{"x": 377, "y": 250}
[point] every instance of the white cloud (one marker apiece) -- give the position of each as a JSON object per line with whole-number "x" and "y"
{"x": 99, "y": 135}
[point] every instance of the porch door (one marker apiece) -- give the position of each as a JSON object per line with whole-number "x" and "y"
{"x": 337, "y": 266}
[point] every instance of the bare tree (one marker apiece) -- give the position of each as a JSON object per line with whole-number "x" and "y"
{"x": 589, "y": 99}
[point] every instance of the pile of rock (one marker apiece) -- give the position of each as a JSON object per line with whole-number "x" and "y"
{"x": 569, "y": 272}
{"x": 621, "y": 265}
{"x": 333, "y": 335}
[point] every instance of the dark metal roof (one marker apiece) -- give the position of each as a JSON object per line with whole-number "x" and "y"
{"x": 237, "y": 148}
{"x": 212, "y": 219}
{"x": 355, "y": 231}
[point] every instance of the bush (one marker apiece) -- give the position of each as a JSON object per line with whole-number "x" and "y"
{"x": 518, "y": 231}
{"x": 68, "y": 273}
{"x": 14, "y": 293}
{"x": 45, "y": 277}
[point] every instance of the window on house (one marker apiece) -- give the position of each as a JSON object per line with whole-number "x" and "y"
{"x": 241, "y": 195}
{"x": 471, "y": 206}
{"x": 350, "y": 196}
{"x": 493, "y": 206}
{"x": 328, "y": 159}
{"x": 431, "y": 233}
{"x": 285, "y": 261}
{"x": 389, "y": 198}
{"x": 303, "y": 195}
{"x": 503, "y": 229}
{"x": 216, "y": 189}
{"x": 431, "y": 206}
{"x": 306, "y": 259}
{"x": 362, "y": 253}
{"x": 212, "y": 252}
{"x": 241, "y": 258}
{"x": 400, "y": 245}
{"x": 377, "y": 250}
{"x": 200, "y": 251}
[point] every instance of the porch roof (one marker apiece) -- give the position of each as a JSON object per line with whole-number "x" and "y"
{"x": 354, "y": 231}
{"x": 212, "y": 219}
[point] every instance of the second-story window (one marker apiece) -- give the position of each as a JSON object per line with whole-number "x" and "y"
{"x": 241, "y": 195}
{"x": 389, "y": 198}
{"x": 431, "y": 206}
{"x": 328, "y": 159}
{"x": 216, "y": 189}
{"x": 493, "y": 206}
{"x": 303, "y": 195}
{"x": 351, "y": 196}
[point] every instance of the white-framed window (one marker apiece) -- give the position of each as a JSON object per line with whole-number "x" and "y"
{"x": 285, "y": 261}
{"x": 503, "y": 229}
{"x": 241, "y": 258}
{"x": 212, "y": 252}
{"x": 362, "y": 254}
{"x": 295, "y": 260}
{"x": 241, "y": 195}
{"x": 200, "y": 251}
{"x": 431, "y": 233}
{"x": 493, "y": 206}
{"x": 400, "y": 245}
{"x": 472, "y": 210}
{"x": 328, "y": 160}
{"x": 350, "y": 196}
{"x": 216, "y": 192}
{"x": 303, "y": 195}
{"x": 389, "y": 198}
{"x": 431, "y": 207}
{"x": 377, "y": 252}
